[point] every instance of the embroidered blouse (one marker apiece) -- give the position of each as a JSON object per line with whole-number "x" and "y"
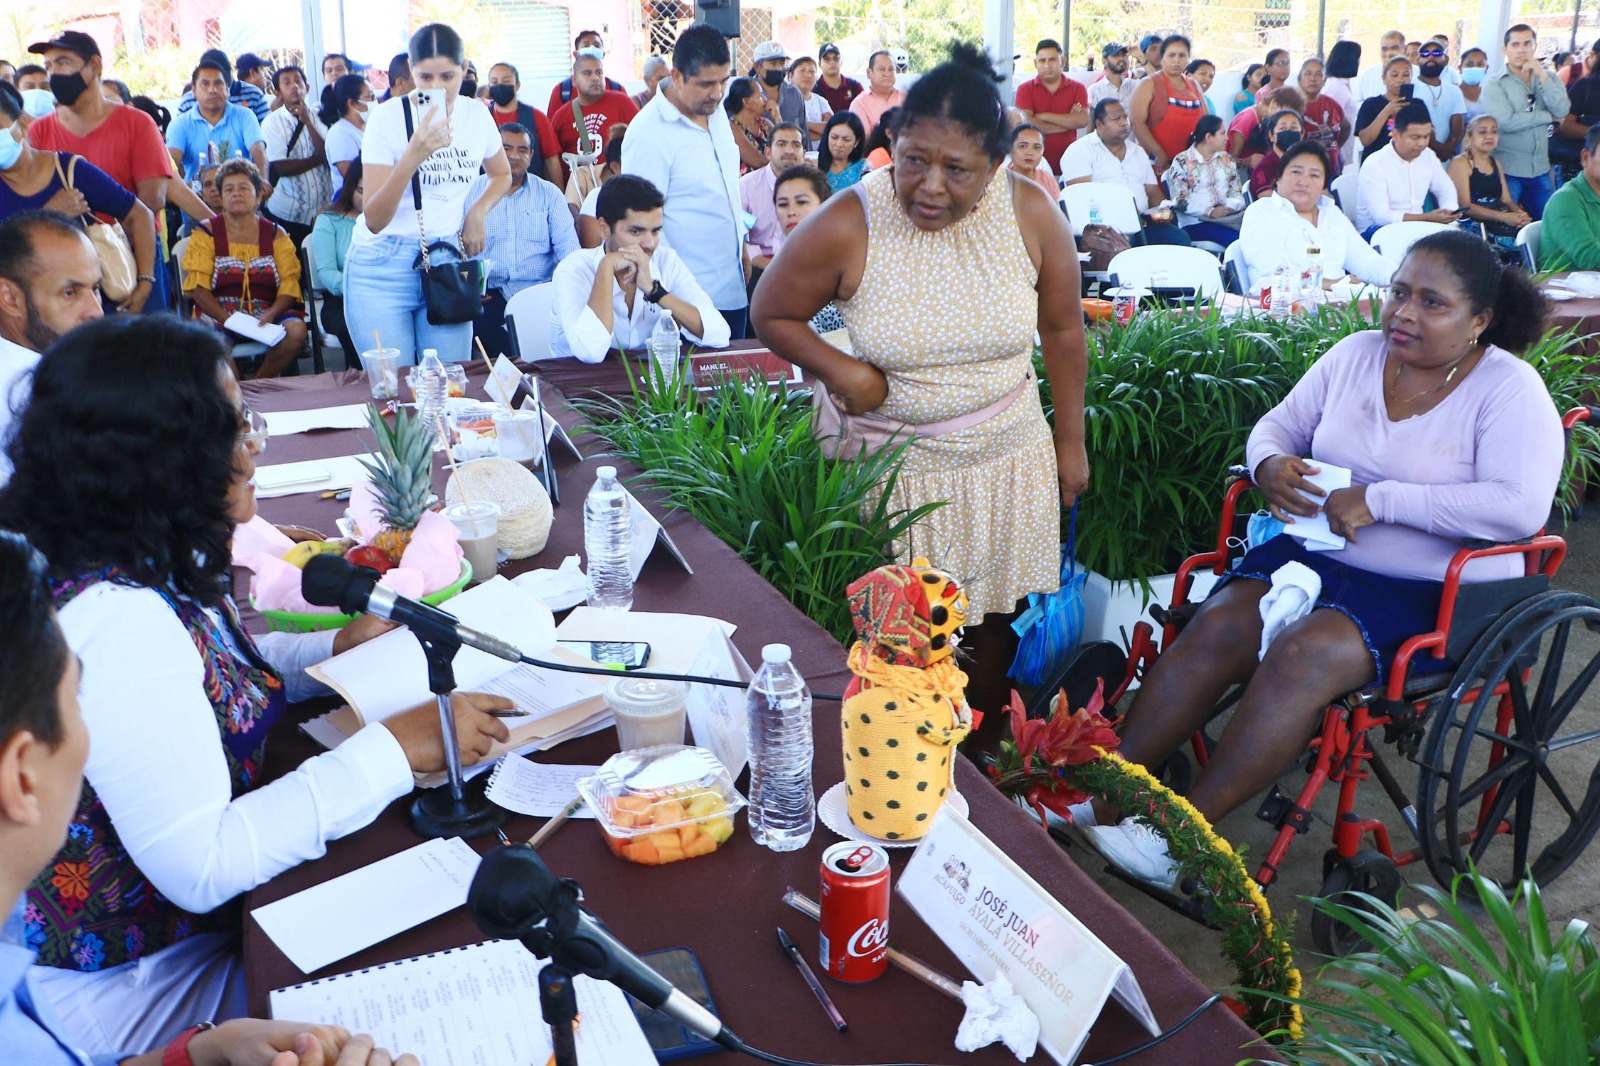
{"x": 1197, "y": 185}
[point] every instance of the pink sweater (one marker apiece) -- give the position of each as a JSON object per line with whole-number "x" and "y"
{"x": 1483, "y": 464}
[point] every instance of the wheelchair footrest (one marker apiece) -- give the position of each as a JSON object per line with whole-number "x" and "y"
{"x": 1279, "y": 810}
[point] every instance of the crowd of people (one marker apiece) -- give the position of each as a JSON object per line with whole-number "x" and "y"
{"x": 786, "y": 202}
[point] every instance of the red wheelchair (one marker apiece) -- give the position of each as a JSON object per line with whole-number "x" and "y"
{"x": 1504, "y": 784}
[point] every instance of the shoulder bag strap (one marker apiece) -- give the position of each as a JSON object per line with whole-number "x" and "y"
{"x": 416, "y": 186}
{"x": 66, "y": 177}
{"x": 294, "y": 138}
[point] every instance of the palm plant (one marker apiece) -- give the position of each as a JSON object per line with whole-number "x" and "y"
{"x": 1439, "y": 992}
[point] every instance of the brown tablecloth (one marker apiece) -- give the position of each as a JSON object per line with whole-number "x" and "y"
{"x": 1582, "y": 314}
{"x": 725, "y": 906}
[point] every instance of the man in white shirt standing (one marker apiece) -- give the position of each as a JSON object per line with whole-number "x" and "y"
{"x": 1110, "y": 155}
{"x": 755, "y": 194}
{"x": 49, "y": 284}
{"x": 682, "y": 144}
{"x": 1370, "y": 83}
{"x": 611, "y": 296}
{"x": 1396, "y": 179}
{"x": 296, "y": 161}
{"x": 1117, "y": 83}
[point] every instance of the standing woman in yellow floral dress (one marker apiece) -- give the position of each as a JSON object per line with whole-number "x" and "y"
{"x": 944, "y": 265}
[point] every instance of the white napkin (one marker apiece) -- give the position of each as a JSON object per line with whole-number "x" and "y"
{"x": 559, "y": 589}
{"x": 1295, "y": 588}
{"x": 996, "y": 1012}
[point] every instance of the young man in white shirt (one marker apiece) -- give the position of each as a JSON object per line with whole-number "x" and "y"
{"x": 1112, "y": 156}
{"x": 683, "y": 141}
{"x": 49, "y": 284}
{"x": 1396, "y": 179}
{"x": 612, "y": 296}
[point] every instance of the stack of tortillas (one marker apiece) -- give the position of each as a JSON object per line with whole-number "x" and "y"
{"x": 525, "y": 513}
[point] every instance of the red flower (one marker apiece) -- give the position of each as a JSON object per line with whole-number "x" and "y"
{"x": 1066, "y": 738}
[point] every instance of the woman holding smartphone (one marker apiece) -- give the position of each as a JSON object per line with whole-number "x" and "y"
{"x": 1375, "y": 121}
{"x": 450, "y": 140}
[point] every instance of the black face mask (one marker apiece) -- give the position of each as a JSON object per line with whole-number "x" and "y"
{"x": 1432, "y": 70}
{"x": 503, "y": 94}
{"x": 773, "y": 78}
{"x": 66, "y": 88}
{"x": 469, "y": 89}
{"x": 1286, "y": 139}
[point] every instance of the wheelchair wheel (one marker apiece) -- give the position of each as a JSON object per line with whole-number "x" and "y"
{"x": 1370, "y": 873}
{"x": 1508, "y": 784}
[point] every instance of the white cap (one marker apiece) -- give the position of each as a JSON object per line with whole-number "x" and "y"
{"x": 606, "y": 472}
{"x": 775, "y": 653}
{"x": 770, "y": 50}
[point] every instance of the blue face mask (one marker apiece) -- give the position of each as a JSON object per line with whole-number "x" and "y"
{"x": 39, "y": 102}
{"x": 10, "y": 148}
{"x": 1262, "y": 528}
{"x": 1473, "y": 75}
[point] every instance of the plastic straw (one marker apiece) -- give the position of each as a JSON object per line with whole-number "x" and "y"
{"x": 450, "y": 454}
{"x": 909, "y": 963}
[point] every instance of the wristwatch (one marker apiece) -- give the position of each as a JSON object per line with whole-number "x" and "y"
{"x": 145, "y": 277}
{"x": 176, "y": 1053}
{"x": 657, "y": 293}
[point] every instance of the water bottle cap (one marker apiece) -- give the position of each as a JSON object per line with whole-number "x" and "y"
{"x": 775, "y": 653}
{"x": 606, "y": 473}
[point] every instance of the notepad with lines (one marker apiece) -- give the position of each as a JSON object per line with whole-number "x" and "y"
{"x": 477, "y": 1004}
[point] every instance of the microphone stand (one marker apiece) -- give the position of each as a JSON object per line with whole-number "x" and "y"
{"x": 452, "y": 809}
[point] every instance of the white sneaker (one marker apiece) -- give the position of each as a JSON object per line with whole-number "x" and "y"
{"x": 1083, "y": 814}
{"x": 1138, "y": 850}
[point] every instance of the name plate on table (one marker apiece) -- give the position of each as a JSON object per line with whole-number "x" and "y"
{"x": 998, "y": 920}
{"x": 646, "y": 534}
{"x": 712, "y": 368}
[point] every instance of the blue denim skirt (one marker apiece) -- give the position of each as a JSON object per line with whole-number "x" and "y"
{"x": 1387, "y": 610}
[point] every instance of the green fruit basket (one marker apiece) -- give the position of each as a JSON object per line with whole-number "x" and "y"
{"x": 312, "y": 622}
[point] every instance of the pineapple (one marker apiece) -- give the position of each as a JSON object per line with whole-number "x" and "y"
{"x": 402, "y": 476}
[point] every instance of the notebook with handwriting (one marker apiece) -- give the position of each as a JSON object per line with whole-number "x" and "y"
{"x": 476, "y": 1004}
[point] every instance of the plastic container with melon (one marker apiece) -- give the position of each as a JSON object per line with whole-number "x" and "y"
{"x": 663, "y": 804}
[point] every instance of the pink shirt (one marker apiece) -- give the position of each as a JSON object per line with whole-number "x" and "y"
{"x": 1483, "y": 464}
{"x": 755, "y": 190}
{"x": 869, "y": 107}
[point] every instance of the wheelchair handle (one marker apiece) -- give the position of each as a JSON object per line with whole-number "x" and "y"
{"x": 1590, "y": 415}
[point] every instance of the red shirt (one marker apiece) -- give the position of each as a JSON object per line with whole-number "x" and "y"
{"x": 1033, "y": 96}
{"x": 530, "y": 117}
{"x": 1321, "y": 120}
{"x": 127, "y": 145}
{"x": 598, "y": 118}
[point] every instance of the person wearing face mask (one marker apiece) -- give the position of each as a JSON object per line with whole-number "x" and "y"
{"x": 563, "y": 90}
{"x": 1396, "y": 180}
{"x": 1284, "y": 131}
{"x": 32, "y": 76}
{"x": 601, "y": 108}
{"x": 345, "y": 116}
{"x": 1474, "y": 69}
{"x": 507, "y": 108}
{"x": 1444, "y": 101}
{"x": 784, "y": 102}
{"x": 31, "y": 179}
{"x": 450, "y": 140}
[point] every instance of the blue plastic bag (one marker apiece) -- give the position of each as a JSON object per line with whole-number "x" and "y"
{"x": 1052, "y": 625}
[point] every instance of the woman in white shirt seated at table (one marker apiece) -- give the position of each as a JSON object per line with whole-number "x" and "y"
{"x": 1279, "y": 230}
{"x": 612, "y": 296}
{"x": 135, "y": 461}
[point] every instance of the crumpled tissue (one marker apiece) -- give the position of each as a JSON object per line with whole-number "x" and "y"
{"x": 1294, "y": 592}
{"x": 559, "y": 589}
{"x": 996, "y": 1012}
{"x": 259, "y": 547}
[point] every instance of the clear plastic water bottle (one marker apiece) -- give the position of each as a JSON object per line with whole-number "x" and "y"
{"x": 783, "y": 808}
{"x": 1095, "y": 217}
{"x": 664, "y": 344}
{"x": 431, "y": 391}
{"x": 607, "y": 540}
{"x": 1282, "y": 293}
{"x": 1311, "y": 278}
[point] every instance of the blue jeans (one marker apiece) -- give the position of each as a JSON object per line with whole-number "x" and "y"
{"x": 383, "y": 294}
{"x": 1532, "y": 193}
{"x": 1215, "y": 232}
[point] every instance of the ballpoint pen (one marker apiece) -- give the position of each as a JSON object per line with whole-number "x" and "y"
{"x": 811, "y": 979}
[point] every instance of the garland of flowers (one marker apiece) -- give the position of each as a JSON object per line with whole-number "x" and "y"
{"x": 1076, "y": 760}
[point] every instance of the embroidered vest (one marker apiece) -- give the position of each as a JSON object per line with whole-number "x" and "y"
{"x": 92, "y": 908}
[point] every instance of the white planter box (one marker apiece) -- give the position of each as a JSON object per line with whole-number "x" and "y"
{"x": 1111, "y": 609}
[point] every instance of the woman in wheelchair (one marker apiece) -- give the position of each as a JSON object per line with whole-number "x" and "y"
{"x": 1449, "y": 437}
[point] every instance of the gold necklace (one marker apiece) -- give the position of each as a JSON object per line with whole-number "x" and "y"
{"x": 1448, "y": 378}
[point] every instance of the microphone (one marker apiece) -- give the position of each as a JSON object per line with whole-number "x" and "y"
{"x": 332, "y": 581}
{"x": 514, "y": 896}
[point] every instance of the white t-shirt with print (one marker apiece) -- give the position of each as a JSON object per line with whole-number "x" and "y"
{"x": 446, "y": 175}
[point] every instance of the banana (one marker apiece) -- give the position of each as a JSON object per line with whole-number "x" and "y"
{"x": 302, "y": 553}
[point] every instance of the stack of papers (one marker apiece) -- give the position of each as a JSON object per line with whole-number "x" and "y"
{"x": 348, "y": 416}
{"x": 247, "y": 327}
{"x": 1319, "y": 537}
{"x": 312, "y": 475}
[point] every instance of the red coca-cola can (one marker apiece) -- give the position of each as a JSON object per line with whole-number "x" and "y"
{"x": 855, "y": 911}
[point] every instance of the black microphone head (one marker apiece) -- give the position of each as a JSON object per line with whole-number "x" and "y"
{"x": 510, "y": 891}
{"x": 332, "y": 581}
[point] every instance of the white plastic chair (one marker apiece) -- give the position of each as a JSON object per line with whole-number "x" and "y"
{"x": 1184, "y": 268}
{"x": 1345, "y": 187}
{"x": 241, "y": 349}
{"x": 1233, "y": 256}
{"x": 528, "y": 321}
{"x": 1117, "y": 207}
{"x": 1083, "y": 77}
{"x": 1223, "y": 89}
{"x": 1528, "y": 240}
{"x": 1395, "y": 240}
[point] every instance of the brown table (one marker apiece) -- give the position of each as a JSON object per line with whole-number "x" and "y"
{"x": 726, "y": 905}
{"x": 1580, "y": 314}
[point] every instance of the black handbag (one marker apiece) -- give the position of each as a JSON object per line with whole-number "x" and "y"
{"x": 453, "y": 291}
